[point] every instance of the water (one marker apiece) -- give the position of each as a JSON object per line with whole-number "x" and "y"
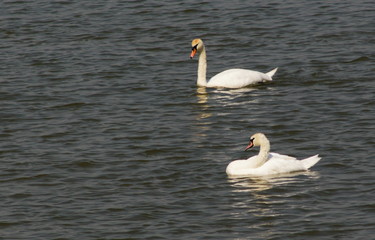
{"x": 105, "y": 135}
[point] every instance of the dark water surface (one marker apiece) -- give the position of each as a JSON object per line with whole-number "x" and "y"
{"x": 104, "y": 134}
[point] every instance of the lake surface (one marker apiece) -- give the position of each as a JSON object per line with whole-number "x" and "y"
{"x": 105, "y": 135}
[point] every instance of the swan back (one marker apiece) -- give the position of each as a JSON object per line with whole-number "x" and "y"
{"x": 237, "y": 78}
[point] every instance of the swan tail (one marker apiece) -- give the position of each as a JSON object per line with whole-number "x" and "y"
{"x": 311, "y": 161}
{"x": 271, "y": 73}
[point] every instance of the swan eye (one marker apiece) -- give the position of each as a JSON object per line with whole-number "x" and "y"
{"x": 195, "y": 47}
{"x": 252, "y": 139}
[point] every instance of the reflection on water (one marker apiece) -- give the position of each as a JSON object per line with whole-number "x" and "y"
{"x": 228, "y": 97}
{"x": 229, "y": 91}
{"x": 224, "y": 97}
{"x": 249, "y": 184}
{"x": 202, "y": 95}
{"x": 202, "y": 126}
{"x": 265, "y": 197}
{"x": 258, "y": 184}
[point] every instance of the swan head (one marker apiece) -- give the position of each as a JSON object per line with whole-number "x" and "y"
{"x": 196, "y": 46}
{"x": 256, "y": 140}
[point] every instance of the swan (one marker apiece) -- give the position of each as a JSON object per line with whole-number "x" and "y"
{"x": 266, "y": 163}
{"x": 231, "y": 78}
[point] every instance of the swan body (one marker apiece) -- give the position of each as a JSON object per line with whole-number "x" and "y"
{"x": 231, "y": 78}
{"x": 266, "y": 163}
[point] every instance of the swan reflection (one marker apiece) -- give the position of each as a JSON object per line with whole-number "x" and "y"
{"x": 265, "y": 196}
{"x": 202, "y": 95}
{"x": 226, "y": 97}
{"x": 260, "y": 184}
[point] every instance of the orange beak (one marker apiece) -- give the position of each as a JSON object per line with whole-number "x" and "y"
{"x": 193, "y": 52}
{"x": 251, "y": 144}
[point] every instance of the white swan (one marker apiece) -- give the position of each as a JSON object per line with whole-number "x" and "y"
{"x": 231, "y": 78}
{"x": 266, "y": 163}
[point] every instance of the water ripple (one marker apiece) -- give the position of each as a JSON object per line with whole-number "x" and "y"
{"x": 105, "y": 135}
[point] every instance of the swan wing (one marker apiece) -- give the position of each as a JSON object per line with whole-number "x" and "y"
{"x": 238, "y": 167}
{"x": 280, "y": 156}
{"x": 311, "y": 161}
{"x": 278, "y": 164}
{"x": 237, "y": 78}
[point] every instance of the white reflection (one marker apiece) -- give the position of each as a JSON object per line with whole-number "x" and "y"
{"x": 263, "y": 201}
{"x": 202, "y": 125}
{"x": 259, "y": 184}
{"x": 202, "y": 95}
{"x": 234, "y": 91}
{"x": 249, "y": 184}
{"x": 224, "y": 97}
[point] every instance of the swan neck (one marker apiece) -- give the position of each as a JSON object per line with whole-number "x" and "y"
{"x": 263, "y": 152}
{"x": 202, "y": 68}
